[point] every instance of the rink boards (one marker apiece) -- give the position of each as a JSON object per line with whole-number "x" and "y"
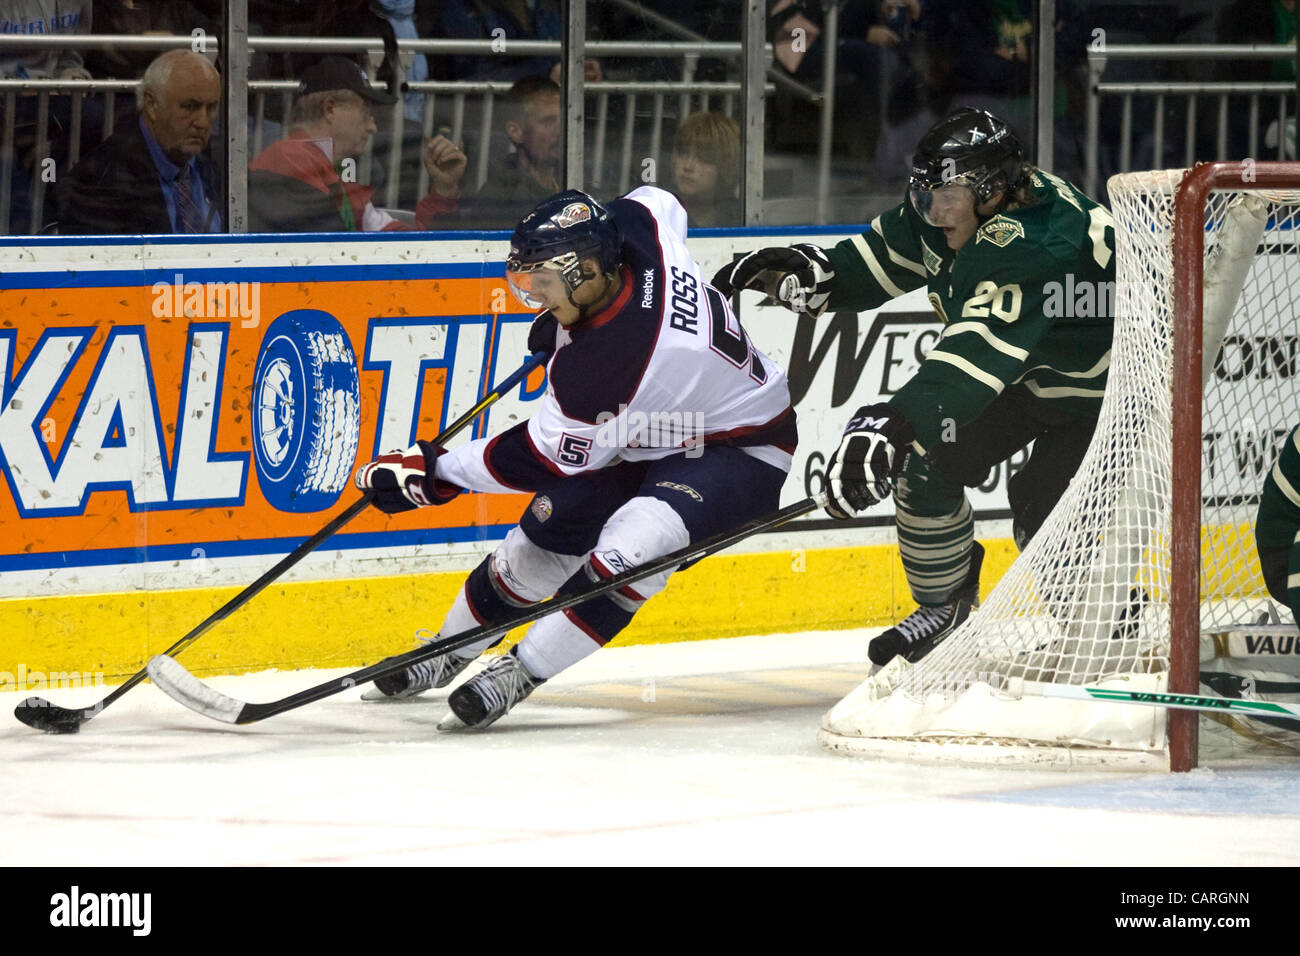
{"x": 177, "y": 416}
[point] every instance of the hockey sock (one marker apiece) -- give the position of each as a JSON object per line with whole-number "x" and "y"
{"x": 554, "y": 643}
{"x": 936, "y": 552}
{"x": 460, "y": 619}
{"x": 480, "y": 601}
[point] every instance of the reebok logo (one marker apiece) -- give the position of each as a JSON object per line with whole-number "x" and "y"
{"x": 648, "y": 289}
{"x": 614, "y": 560}
{"x": 75, "y": 909}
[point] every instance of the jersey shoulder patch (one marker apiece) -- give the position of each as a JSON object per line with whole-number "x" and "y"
{"x": 932, "y": 260}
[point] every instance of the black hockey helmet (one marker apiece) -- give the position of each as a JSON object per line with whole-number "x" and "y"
{"x": 558, "y": 235}
{"x": 971, "y": 148}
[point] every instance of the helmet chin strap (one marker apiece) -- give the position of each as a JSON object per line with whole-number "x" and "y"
{"x": 584, "y": 311}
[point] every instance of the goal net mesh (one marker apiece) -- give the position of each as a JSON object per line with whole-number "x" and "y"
{"x": 1087, "y": 601}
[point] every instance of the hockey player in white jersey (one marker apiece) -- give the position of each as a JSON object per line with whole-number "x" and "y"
{"x": 661, "y": 425}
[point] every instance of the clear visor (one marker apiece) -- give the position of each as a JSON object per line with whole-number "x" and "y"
{"x": 539, "y": 285}
{"x": 942, "y": 205}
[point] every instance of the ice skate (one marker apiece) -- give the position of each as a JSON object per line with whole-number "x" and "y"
{"x": 416, "y": 679}
{"x": 489, "y": 694}
{"x": 925, "y": 628}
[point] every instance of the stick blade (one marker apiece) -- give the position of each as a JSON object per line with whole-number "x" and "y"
{"x": 39, "y": 713}
{"x": 184, "y": 688}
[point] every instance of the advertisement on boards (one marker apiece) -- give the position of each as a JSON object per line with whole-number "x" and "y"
{"x": 178, "y": 402}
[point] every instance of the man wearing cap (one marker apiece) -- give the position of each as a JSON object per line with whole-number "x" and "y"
{"x": 307, "y": 182}
{"x": 153, "y": 175}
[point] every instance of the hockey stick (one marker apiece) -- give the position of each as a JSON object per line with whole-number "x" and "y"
{"x": 176, "y": 681}
{"x": 41, "y": 714}
{"x": 1251, "y": 708}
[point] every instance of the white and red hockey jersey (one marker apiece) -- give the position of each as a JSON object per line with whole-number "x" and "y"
{"x": 665, "y": 367}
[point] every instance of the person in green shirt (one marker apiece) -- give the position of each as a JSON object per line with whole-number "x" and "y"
{"x": 1020, "y": 267}
{"x": 1277, "y": 526}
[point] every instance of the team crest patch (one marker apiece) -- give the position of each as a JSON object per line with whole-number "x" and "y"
{"x": 572, "y": 214}
{"x": 933, "y": 263}
{"x": 1001, "y": 231}
{"x": 541, "y": 507}
{"x": 684, "y": 489}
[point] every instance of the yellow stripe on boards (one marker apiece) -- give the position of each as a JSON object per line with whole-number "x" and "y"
{"x": 354, "y": 622}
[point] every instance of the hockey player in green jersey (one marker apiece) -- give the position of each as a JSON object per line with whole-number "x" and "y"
{"x": 1020, "y": 267}
{"x": 1277, "y": 526}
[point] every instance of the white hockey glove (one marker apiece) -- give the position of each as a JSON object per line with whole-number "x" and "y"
{"x": 800, "y": 277}
{"x": 404, "y": 480}
{"x": 872, "y": 452}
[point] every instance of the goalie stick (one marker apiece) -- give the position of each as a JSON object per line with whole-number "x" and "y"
{"x": 1220, "y": 705}
{"x": 39, "y": 713}
{"x": 174, "y": 680}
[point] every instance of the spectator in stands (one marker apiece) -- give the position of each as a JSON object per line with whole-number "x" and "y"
{"x": 871, "y": 33}
{"x": 501, "y": 21}
{"x": 307, "y": 182}
{"x": 400, "y": 16}
{"x": 706, "y": 169}
{"x": 519, "y": 180}
{"x": 146, "y": 18}
{"x": 152, "y": 175}
{"x": 43, "y": 17}
{"x": 980, "y": 53}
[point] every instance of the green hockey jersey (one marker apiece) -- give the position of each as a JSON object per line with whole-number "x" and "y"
{"x": 1027, "y": 303}
{"x": 1278, "y": 520}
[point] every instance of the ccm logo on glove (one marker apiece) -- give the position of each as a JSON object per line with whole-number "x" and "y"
{"x": 873, "y": 450}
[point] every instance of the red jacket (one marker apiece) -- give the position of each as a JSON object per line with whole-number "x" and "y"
{"x": 293, "y": 187}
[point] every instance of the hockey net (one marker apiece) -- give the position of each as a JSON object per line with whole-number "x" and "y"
{"x": 1094, "y": 597}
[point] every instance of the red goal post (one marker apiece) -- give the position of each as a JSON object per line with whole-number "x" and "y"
{"x": 1185, "y": 542}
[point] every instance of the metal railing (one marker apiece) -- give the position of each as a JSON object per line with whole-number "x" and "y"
{"x": 1162, "y": 91}
{"x": 647, "y": 106}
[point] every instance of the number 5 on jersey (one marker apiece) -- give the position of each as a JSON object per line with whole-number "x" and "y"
{"x": 574, "y": 451}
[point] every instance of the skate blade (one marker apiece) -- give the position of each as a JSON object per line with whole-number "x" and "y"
{"x": 373, "y": 693}
{"x": 451, "y": 724}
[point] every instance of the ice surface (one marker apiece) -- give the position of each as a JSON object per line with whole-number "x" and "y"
{"x": 693, "y": 753}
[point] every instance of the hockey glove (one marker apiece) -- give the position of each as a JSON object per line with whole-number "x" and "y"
{"x": 873, "y": 450}
{"x": 800, "y": 277}
{"x": 404, "y": 480}
{"x": 541, "y": 337}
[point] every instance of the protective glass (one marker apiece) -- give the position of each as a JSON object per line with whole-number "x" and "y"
{"x": 937, "y": 205}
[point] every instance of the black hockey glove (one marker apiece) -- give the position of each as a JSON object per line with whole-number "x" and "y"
{"x": 800, "y": 277}
{"x": 872, "y": 452}
{"x": 404, "y": 480}
{"x": 541, "y": 337}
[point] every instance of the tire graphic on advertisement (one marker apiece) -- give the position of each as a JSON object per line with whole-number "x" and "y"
{"x": 306, "y": 411}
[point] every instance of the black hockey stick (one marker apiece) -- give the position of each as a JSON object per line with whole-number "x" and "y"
{"x": 173, "y": 679}
{"x": 43, "y": 715}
